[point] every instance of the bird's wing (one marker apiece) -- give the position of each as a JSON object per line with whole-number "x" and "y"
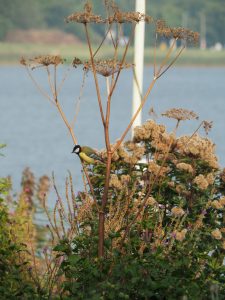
{"x": 91, "y": 153}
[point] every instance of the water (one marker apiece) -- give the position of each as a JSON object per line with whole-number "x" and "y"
{"x": 37, "y": 137}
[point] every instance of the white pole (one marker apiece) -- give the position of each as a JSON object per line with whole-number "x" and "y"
{"x": 139, "y": 41}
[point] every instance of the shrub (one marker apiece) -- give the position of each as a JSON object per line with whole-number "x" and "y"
{"x": 165, "y": 235}
{"x": 14, "y": 283}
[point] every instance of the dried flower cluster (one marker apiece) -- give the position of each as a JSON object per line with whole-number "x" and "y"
{"x": 76, "y": 62}
{"x": 115, "y": 182}
{"x": 216, "y": 234}
{"x": 180, "y": 235}
{"x": 177, "y": 211}
{"x": 207, "y": 126}
{"x": 151, "y": 201}
{"x": 106, "y": 67}
{"x": 185, "y": 167}
{"x": 42, "y": 60}
{"x": 130, "y": 153}
{"x": 156, "y": 134}
{"x": 180, "y": 114}
{"x": 157, "y": 170}
{"x": 201, "y": 182}
{"x": 176, "y": 32}
{"x": 129, "y": 17}
{"x": 85, "y": 17}
{"x": 217, "y": 204}
{"x": 197, "y": 146}
{"x": 117, "y": 16}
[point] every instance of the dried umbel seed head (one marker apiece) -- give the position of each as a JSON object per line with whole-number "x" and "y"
{"x": 106, "y": 67}
{"x": 184, "y": 34}
{"x": 42, "y": 60}
{"x": 86, "y": 16}
{"x": 128, "y": 17}
{"x": 76, "y": 61}
{"x": 163, "y": 29}
{"x": 180, "y": 114}
{"x": 178, "y": 33}
{"x": 207, "y": 126}
{"x": 23, "y": 61}
{"x": 125, "y": 17}
{"x": 148, "y": 19}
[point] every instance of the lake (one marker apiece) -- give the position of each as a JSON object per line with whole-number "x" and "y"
{"x": 37, "y": 137}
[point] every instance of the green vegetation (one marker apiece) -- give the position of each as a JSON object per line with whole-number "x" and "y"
{"x": 50, "y": 14}
{"x": 10, "y": 53}
{"x": 14, "y": 278}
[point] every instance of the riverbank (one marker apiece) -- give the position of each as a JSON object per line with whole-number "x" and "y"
{"x": 10, "y": 53}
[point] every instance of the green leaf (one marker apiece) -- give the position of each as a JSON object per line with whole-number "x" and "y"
{"x": 73, "y": 259}
{"x": 61, "y": 248}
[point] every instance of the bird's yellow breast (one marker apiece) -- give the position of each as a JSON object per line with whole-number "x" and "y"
{"x": 86, "y": 158}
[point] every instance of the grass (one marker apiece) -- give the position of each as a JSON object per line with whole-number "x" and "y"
{"x": 10, "y": 53}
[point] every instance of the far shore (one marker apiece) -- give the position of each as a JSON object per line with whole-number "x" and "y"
{"x": 10, "y": 54}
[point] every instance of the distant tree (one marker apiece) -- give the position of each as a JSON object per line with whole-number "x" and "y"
{"x": 38, "y": 14}
{"x": 19, "y": 14}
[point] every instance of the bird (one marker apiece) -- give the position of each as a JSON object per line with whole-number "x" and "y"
{"x": 87, "y": 154}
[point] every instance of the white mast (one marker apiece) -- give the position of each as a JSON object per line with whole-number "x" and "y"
{"x": 139, "y": 41}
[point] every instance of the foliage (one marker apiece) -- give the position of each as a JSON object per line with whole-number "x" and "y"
{"x": 51, "y": 14}
{"x": 13, "y": 282}
{"x": 19, "y": 238}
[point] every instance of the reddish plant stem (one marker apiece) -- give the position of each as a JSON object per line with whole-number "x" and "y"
{"x": 101, "y": 228}
{"x": 95, "y": 75}
{"x": 106, "y": 187}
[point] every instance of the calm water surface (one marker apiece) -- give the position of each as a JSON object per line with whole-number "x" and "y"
{"x": 36, "y": 136}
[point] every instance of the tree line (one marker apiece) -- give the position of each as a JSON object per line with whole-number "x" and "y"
{"x": 199, "y": 15}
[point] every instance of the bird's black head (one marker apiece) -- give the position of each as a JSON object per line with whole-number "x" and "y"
{"x": 76, "y": 149}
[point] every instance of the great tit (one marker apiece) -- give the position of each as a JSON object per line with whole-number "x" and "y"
{"x": 86, "y": 154}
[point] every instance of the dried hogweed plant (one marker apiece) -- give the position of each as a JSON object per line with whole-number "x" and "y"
{"x": 104, "y": 188}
